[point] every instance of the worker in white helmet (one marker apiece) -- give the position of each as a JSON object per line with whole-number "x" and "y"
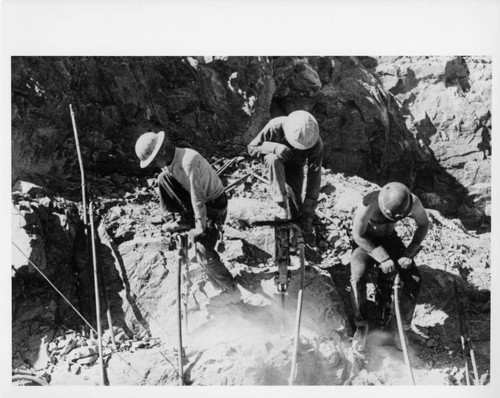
{"x": 188, "y": 185}
{"x": 287, "y": 144}
{"x": 376, "y": 243}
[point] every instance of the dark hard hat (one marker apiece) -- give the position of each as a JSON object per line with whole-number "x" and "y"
{"x": 395, "y": 201}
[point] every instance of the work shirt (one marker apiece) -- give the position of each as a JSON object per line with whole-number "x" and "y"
{"x": 197, "y": 177}
{"x": 273, "y": 133}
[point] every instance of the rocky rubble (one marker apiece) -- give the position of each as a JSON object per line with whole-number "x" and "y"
{"x": 243, "y": 344}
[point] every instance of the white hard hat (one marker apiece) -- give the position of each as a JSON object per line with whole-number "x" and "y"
{"x": 301, "y": 130}
{"x": 147, "y": 147}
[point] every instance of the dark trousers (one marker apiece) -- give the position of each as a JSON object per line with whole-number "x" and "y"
{"x": 361, "y": 265}
{"x": 175, "y": 199}
{"x": 285, "y": 179}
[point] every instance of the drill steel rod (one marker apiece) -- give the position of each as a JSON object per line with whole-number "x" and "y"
{"x": 465, "y": 340}
{"x": 226, "y": 166}
{"x": 402, "y": 337}
{"x": 282, "y": 325}
{"x": 181, "y": 241}
{"x": 186, "y": 284}
{"x": 473, "y": 361}
{"x": 300, "y": 244}
{"x": 469, "y": 346}
{"x": 97, "y": 299}
{"x": 233, "y": 185}
{"x": 282, "y": 256}
{"x": 462, "y": 334}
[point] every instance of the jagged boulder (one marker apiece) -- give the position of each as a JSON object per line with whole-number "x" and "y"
{"x": 448, "y": 105}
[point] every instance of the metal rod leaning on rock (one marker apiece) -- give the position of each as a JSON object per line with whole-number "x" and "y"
{"x": 82, "y": 171}
{"x": 233, "y": 185}
{"x": 471, "y": 351}
{"x": 260, "y": 178}
{"x": 465, "y": 338}
{"x": 301, "y": 246}
{"x": 462, "y": 333}
{"x": 97, "y": 298}
{"x": 84, "y": 190}
{"x": 402, "y": 337}
{"x": 226, "y": 166}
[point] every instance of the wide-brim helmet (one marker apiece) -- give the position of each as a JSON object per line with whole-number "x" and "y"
{"x": 147, "y": 147}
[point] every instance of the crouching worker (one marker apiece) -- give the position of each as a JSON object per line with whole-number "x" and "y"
{"x": 287, "y": 144}
{"x": 376, "y": 243}
{"x": 190, "y": 186}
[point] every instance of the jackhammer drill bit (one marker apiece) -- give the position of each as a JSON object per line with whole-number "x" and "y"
{"x": 402, "y": 337}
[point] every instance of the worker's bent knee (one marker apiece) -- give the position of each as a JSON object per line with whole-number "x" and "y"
{"x": 271, "y": 160}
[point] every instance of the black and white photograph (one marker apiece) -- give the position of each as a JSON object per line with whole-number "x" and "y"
{"x": 180, "y": 217}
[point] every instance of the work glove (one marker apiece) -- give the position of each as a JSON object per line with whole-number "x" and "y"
{"x": 283, "y": 152}
{"x": 174, "y": 226}
{"x": 405, "y": 262}
{"x": 196, "y": 233}
{"x": 387, "y": 266}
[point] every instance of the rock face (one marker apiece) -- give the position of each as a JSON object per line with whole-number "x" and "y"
{"x": 447, "y": 102}
{"x": 220, "y": 103}
{"x": 48, "y": 237}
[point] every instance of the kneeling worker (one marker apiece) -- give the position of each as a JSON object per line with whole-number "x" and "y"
{"x": 190, "y": 186}
{"x": 376, "y": 242}
{"x": 287, "y": 144}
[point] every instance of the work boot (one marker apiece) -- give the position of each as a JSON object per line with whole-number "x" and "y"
{"x": 359, "y": 339}
{"x": 227, "y": 297}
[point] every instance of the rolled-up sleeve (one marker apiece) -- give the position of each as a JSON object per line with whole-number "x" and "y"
{"x": 265, "y": 141}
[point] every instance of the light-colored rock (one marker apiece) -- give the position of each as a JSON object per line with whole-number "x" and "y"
{"x": 28, "y": 188}
{"x": 449, "y": 102}
{"x": 81, "y": 352}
